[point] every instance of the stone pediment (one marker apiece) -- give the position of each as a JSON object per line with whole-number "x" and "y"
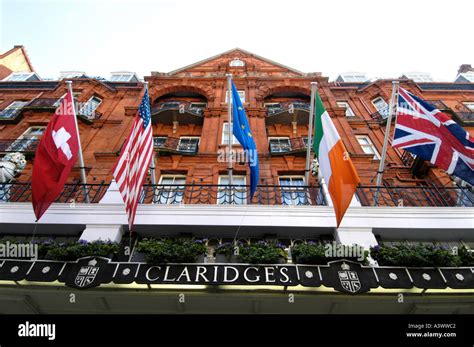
{"x": 238, "y": 62}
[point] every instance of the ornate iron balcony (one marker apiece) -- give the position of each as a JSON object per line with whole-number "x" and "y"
{"x": 380, "y": 116}
{"x": 180, "y": 106}
{"x": 19, "y": 145}
{"x": 419, "y": 196}
{"x": 287, "y": 146}
{"x": 289, "y": 106}
{"x": 205, "y": 194}
{"x": 175, "y": 145}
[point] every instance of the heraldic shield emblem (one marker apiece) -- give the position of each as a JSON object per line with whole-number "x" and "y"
{"x": 87, "y": 274}
{"x": 349, "y": 279}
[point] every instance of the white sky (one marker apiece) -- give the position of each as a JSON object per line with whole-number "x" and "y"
{"x": 380, "y": 38}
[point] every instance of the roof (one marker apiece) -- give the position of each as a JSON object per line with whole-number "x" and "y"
{"x": 233, "y": 51}
{"x": 23, "y": 51}
{"x": 466, "y": 76}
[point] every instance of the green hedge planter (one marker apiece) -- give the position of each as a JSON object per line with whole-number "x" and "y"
{"x": 171, "y": 250}
{"x": 316, "y": 254}
{"x": 262, "y": 252}
{"x": 421, "y": 256}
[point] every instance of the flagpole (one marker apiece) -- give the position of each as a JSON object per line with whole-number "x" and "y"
{"x": 229, "y": 122}
{"x": 152, "y": 163}
{"x": 81, "y": 158}
{"x": 314, "y": 88}
{"x": 380, "y": 171}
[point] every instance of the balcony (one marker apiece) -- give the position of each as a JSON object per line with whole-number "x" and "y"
{"x": 282, "y": 146}
{"x": 416, "y": 196}
{"x": 380, "y": 116}
{"x": 173, "y": 145}
{"x": 26, "y": 146}
{"x": 288, "y": 113}
{"x": 439, "y": 105}
{"x": 201, "y": 194}
{"x": 464, "y": 115}
{"x": 178, "y": 111}
{"x": 45, "y": 104}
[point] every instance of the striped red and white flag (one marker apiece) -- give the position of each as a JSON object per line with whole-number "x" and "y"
{"x": 132, "y": 167}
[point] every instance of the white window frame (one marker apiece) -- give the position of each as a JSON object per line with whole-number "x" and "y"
{"x": 159, "y": 137}
{"x": 171, "y": 195}
{"x": 295, "y": 194}
{"x": 188, "y": 138}
{"x": 19, "y": 76}
{"x": 280, "y": 138}
{"x": 383, "y": 111}
{"x": 369, "y": 144}
{"x": 469, "y": 105}
{"x": 241, "y": 96}
{"x": 86, "y": 106}
{"x": 345, "y": 104}
{"x": 225, "y": 136}
{"x": 121, "y": 77}
{"x": 236, "y": 62}
{"x": 242, "y": 200}
{"x": 26, "y": 135}
{"x": 12, "y": 105}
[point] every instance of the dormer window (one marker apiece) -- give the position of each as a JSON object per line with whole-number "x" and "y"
{"x": 236, "y": 62}
{"x": 22, "y": 76}
{"x": 123, "y": 76}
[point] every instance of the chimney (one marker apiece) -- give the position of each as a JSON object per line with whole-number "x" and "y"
{"x": 465, "y": 68}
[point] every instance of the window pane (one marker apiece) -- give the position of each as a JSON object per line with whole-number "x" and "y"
{"x": 171, "y": 190}
{"x": 234, "y": 195}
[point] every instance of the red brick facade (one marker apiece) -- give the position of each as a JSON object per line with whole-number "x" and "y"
{"x": 263, "y": 82}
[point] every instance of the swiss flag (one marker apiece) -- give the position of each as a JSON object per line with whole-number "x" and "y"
{"x": 56, "y": 154}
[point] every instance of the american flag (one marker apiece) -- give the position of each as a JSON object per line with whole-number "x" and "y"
{"x": 132, "y": 166}
{"x": 430, "y": 134}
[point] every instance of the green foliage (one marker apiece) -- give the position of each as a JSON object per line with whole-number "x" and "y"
{"x": 171, "y": 250}
{"x": 227, "y": 249}
{"x": 262, "y": 253}
{"x": 309, "y": 253}
{"x": 73, "y": 251}
{"x": 315, "y": 253}
{"x": 466, "y": 257}
{"x": 415, "y": 256}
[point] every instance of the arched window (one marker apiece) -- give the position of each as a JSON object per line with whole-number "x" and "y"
{"x": 236, "y": 62}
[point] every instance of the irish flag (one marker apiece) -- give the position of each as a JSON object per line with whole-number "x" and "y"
{"x": 335, "y": 164}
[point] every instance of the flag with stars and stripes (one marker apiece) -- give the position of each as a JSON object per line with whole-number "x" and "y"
{"x": 132, "y": 167}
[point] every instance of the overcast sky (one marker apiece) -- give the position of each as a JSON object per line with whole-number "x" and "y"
{"x": 380, "y": 38}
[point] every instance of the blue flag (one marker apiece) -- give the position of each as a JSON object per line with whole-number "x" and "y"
{"x": 241, "y": 130}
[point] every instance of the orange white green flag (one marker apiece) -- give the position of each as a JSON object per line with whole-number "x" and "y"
{"x": 335, "y": 165}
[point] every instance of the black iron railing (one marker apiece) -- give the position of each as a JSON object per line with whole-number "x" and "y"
{"x": 439, "y": 105}
{"x": 465, "y": 117}
{"x": 420, "y": 196}
{"x": 180, "y": 106}
{"x": 408, "y": 158}
{"x": 232, "y": 195}
{"x": 19, "y": 145}
{"x": 381, "y": 115}
{"x": 72, "y": 193}
{"x": 10, "y": 113}
{"x": 177, "y": 145}
{"x": 289, "y": 106}
{"x": 285, "y": 146}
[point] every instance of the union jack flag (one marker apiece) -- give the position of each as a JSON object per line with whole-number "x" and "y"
{"x": 425, "y": 131}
